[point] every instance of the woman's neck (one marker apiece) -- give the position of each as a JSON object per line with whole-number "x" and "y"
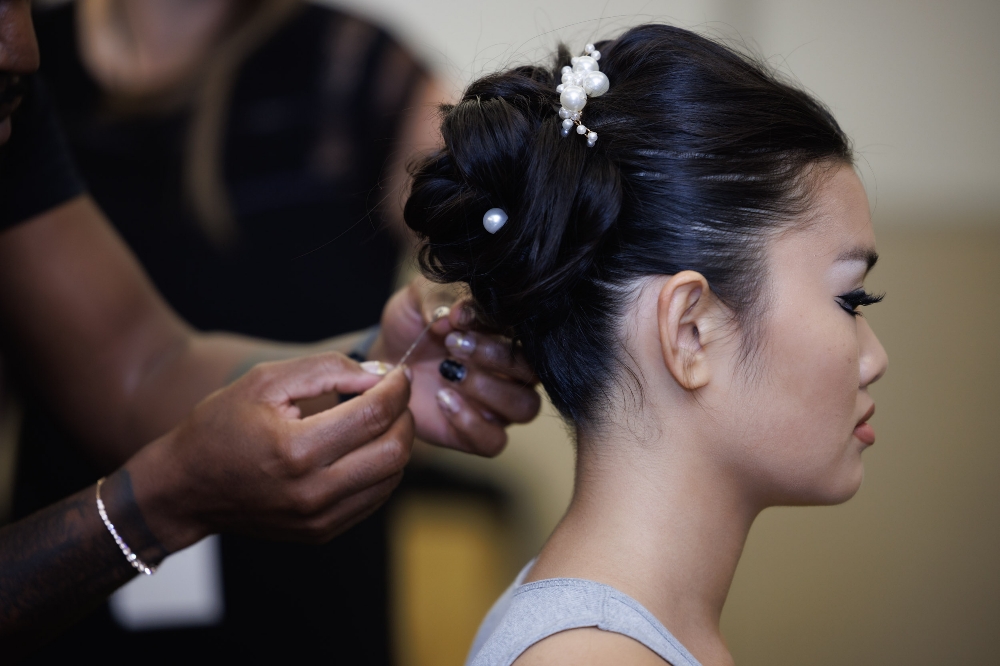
{"x": 664, "y": 528}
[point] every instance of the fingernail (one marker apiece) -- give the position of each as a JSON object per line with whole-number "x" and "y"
{"x": 377, "y": 367}
{"x": 441, "y": 313}
{"x": 452, "y": 370}
{"x": 448, "y": 401}
{"x": 408, "y": 373}
{"x": 466, "y": 316}
{"x": 460, "y": 344}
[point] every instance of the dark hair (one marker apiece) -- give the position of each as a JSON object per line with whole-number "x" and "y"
{"x": 703, "y": 152}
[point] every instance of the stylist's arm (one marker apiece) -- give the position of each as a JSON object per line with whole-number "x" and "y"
{"x": 244, "y": 461}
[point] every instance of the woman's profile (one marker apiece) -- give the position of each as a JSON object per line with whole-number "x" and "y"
{"x": 687, "y": 288}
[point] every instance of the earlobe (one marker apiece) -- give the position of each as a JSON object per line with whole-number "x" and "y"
{"x": 684, "y": 319}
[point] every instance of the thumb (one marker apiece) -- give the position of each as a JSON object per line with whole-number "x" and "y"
{"x": 284, "y": 382}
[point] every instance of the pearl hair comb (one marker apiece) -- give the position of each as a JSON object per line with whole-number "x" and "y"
{"x": 581, "y": 80}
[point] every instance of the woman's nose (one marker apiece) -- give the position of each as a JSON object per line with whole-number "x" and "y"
{"x": 874, "y": 361}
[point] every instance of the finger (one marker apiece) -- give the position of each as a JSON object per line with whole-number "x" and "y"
{"x": 473, "y": 433}
{"x": 329, "y": 435}
{"x": 433, "y": 300}
{"x": 511, "y": 400}
{"x": 323, "y": 484}
{"x": 368, "y": 464}
{"x": 490, "y": 353}
{"x": 283, "y": 382}
{"x": 351, "y": 510}
{"x": 462, "y": 315}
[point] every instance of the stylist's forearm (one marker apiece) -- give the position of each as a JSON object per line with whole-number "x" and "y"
{"x": 199, "y": 366}
{"x": 116, "y": 364}
{"x": 59, "y": 563}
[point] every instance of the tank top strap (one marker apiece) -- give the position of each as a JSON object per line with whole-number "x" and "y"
{"x": 540, "y": 609}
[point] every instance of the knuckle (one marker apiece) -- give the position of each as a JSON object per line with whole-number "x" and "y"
{"x": 335, "y": 362}
{"x": 305, "y": 502}
{"x": 259, "y": 375}
{"x": 529, "y": 404}
{"x": 492, "y": 444}
{"x": 318, "y": 531}
{"x": 495, "y": 352}
{"x": 385, "y": 489}
{"x": 396, "y": 452}
{"x": 376, "y": 416}
{"x": 294, "y": 460}
{"x": 361, "y": 474}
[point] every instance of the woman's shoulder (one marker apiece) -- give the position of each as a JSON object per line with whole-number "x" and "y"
{"x": 590, "y": 646}
{"x": 561, "y": 620}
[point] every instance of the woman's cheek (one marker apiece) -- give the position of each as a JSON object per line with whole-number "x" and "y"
{"x": 808, "y": 420}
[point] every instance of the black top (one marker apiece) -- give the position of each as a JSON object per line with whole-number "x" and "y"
{"x": 36, "y": 171}
{"x": 302, "y": 162}
{"x": 305, "y": 146}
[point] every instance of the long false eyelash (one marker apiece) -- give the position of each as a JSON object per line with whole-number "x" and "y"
{"x": 851, "y": 301}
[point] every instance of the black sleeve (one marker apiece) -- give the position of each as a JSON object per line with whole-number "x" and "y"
{"x": 36, "y": 170}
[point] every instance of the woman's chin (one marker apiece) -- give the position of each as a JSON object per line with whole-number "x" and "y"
{"x": 841, "y": 488}
{"x": 829, "y": 490}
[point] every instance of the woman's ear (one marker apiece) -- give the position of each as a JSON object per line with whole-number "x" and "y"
{"x": 687, "y": 318}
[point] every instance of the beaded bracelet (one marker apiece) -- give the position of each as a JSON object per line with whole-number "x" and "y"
{"x": 132, "y": 558}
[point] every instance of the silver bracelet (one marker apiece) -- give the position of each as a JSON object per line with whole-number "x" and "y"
{"x": 132, "y": 558}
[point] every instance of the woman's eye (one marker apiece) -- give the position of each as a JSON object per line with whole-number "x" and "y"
{"x": 858, "y": 298}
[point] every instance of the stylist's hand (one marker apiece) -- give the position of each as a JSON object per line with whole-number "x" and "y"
{"x": 497, "y": 387}
{"x": 245, "y": 460}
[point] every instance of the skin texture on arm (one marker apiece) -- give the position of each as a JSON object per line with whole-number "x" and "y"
{"x": 119, "y": 365}
{"x": 61, "y": 562}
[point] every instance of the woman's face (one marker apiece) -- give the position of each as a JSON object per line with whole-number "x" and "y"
{"x": 800, "y": 423}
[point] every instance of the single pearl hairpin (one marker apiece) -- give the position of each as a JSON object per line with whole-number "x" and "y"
{"x": 494, "y": 219}
{"x": 581, "y": 80}
{"x": 438, "y": 314}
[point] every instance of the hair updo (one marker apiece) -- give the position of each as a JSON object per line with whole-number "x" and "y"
{"x": 703, "y": 153}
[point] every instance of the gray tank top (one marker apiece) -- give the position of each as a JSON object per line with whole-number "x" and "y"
{"x": 526, "y": 614}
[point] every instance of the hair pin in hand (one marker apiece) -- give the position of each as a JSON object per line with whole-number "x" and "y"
{"x": 439, "y": 313}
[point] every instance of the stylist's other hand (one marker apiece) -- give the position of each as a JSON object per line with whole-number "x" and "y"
{"x": 498, "y": 387}
{"x": 245, "y": 461}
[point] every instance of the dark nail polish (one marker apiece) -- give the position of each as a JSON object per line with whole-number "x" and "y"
{"x": 452, "y": 370}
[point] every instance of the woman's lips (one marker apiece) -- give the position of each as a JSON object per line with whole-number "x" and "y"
{"x": 863, "y": 430}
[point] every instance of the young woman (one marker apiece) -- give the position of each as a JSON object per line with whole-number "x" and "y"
{"x": 684, "y": 272}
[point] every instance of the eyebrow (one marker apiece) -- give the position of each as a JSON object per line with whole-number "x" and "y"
{"x": 865, "y": 254}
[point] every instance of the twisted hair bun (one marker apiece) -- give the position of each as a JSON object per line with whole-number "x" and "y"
{"x": 504, "y": 149}
{"x": 700, "y": 154}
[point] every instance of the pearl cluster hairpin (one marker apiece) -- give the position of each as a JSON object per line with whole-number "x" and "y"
{"x": 581, "y": 80}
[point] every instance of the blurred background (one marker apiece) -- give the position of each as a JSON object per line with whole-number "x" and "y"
{"x": 907, "y": 571}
